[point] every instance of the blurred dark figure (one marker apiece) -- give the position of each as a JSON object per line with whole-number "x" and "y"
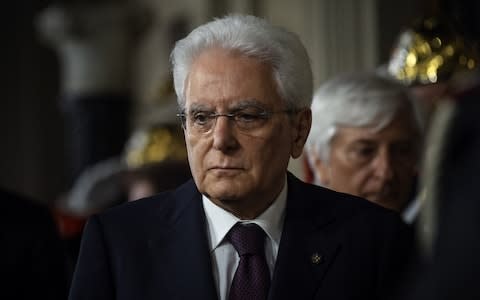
{"x": 154, "y": 160}
{"x": 33, "y": 260}
{"x": 154, "y": 178}
{"x": 450, "y": 220}
{"x": 454, "y": 223}
{"x": 94, "y": 43}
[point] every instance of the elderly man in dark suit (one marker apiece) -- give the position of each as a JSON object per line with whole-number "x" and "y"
{"x": 243, "y": 228}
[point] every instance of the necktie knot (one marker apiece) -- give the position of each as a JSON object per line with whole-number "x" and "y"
{"x": 247, "y": 239}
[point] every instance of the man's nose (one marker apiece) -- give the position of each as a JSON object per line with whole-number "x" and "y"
{"x": 383, "y": 165}
{"x": 223, "y": 132}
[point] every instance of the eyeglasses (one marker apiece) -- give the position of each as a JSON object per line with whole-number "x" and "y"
{"x": 246, "y": 119}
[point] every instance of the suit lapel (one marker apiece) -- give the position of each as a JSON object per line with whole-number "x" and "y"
{"x": 306, "y": 251}
{"x": 181, "y": 262}
{"x": 180, "y": 255}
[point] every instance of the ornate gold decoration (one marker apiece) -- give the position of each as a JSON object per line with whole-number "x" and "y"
{"x": 429, "y": 52}
{"x": 155, "y": 144}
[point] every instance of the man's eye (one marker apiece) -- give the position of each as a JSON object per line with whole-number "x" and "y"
{"x": 201, "y": 118}
{"x": 247, "y": 117}
{"x": 365, "y": 151}
{"x": 403, "y": 150}
{"x": 360, "y": 155}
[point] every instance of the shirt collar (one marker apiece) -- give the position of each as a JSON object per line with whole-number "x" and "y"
{"x": 220, "y": 221}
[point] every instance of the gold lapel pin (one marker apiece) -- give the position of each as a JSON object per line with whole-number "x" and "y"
{"x": 316, "y": 258}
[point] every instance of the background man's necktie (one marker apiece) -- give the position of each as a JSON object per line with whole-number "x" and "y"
{"x": 252, "y": 277}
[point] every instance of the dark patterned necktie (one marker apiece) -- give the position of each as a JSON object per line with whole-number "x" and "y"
{"x": 252, "y": 277}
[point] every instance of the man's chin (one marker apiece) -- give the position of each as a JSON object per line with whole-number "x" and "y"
{"x": 226, "y": 188}
{"x": 390, "y": 202}
{"x": 222, "y": 194}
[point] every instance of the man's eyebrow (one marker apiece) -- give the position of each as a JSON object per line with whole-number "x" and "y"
{"x": 198, "y": 107}
{"x": 248, "y": 103}
{"x": 363, "y": 142}
{"x": 242, "y": 104}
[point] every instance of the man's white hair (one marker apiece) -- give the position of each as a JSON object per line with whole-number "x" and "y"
{"x": 356, "y": 100}
{"x": 253, "y": 37}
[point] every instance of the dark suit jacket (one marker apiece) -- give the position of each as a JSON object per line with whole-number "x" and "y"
{"x": 33, "y": 263}
{"x": 157, "y": 248}
{"x": 454, "y": 270}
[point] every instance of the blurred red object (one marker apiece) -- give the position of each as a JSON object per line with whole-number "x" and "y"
{"x": 68, "y": 226}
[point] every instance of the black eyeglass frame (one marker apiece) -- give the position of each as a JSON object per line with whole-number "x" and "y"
{"x": 265, "y": 115}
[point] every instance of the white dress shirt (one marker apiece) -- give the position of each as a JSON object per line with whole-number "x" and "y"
{"x": 224, "y": 257}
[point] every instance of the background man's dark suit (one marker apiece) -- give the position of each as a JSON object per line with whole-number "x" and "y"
{"x": 329, "y": 241}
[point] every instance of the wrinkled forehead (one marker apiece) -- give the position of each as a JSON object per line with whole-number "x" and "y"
{"x": 401, "y": 127}
{"x": 376, "y": 118}
{"x": 219, "y": 78}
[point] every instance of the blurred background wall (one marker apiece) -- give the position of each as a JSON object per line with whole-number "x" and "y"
{"x": 340, "y": 35}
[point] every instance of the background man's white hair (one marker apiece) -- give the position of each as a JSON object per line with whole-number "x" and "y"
{"x": 355, "y": 100}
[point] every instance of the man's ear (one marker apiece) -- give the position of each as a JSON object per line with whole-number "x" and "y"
{"x": 300, "y": 130}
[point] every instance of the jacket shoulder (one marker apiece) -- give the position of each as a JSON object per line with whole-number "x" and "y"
{"x": 318, "y": 198}
{"x": 164, "y": 206}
